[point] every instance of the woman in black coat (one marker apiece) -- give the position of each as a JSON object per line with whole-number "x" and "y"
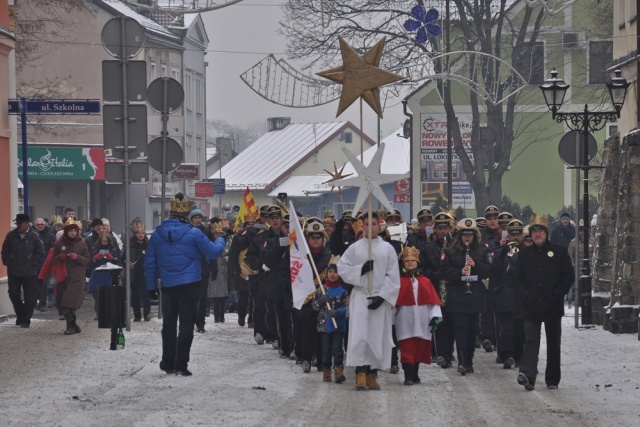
{"x": 464, "y": 266}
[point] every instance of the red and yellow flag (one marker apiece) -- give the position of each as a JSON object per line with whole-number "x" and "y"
{"x": 247, "y": 206}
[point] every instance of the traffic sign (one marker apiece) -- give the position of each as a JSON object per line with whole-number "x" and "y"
{"x": 174, "y": 95}
{"x": 113, "y": 41}
{"x": 203, "y": 189}
{"x": 112, "y": 81}
{"x": 56, "y": 106}
{"x": 114, "y": 172}
{"x": 571, "y": 148}
{"x": 218, "y": 186}
{"x": 113, "y": 130}
{"x": 187, "y": 171}
{"x": 173, "y": 155}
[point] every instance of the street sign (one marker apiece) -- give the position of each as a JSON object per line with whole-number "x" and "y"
{"x": 203, "y": 189}
{"x": 114, "y": 172}
{"x": 571, "y": 148}
{"x": 218, "y": 186}
{"x": 173, "y": 155}
{"x": 56, "y": 106}
{"x": 113, "y": 130}
{"x": 156, "y": 94}
{"x": 136, "y": 81}
{"x": 187, "y": 171}
{"x": 401, "y": 186}
{"x": 401, "y": 198}
{"x": 115, "y": 44}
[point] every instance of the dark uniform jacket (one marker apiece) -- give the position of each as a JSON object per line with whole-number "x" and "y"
{"x": 24, "y": 255}
{"x": 257, "y": 284}
{"x": 341, "y": 238}
{"x": 271, "y": 254}
{"x": 562, "y": 235}
{"x": 239, "y": 243}
{"x": 502, "y": 289}
{"x": 458, "y": 300}
{"x": 543, "y": 276}
{"x": 430, "y": 261}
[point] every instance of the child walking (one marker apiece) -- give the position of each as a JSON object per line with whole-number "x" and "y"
{"x": 332, "y": 336}
{"x": 417, "y": 315}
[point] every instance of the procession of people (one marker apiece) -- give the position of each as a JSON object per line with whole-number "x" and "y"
{"x": 451, "y": 288}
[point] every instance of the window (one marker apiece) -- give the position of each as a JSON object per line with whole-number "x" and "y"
{"x": 164, "y": 70}
{"x": 153, "y": 73}
{"x": 632, "y": 10}
{"x": 198, "y": 96}
{"x": 175, "y": 74}
{"x": 622, "y": 14}
{"x": 529, "y": 61}
{"x": 600, "y": 58}
{"x": 187, "y": 92}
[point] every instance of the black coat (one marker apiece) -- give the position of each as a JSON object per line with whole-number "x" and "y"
{"x": 23, "y": 256}
{"x": 516, "y": 304}
{"x": 341, "y": 238}
{"x": 257, "y": 283}
{"x": 239, "y": 243}
{"x": 430, "y": 260}
{"x": 501, "y": 288}
{"x": 563, "y": 235}
{"x": 458, "y": 300}
{"x": 543, "y": 276}
{"x": 271, "y": 254}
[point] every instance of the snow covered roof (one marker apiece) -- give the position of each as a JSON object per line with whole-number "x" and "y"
{"x": 147, "y": 23}
{"x": 276, "y": 154}
{"x": 301, "y": 186}
{"x": 395, "y": 159}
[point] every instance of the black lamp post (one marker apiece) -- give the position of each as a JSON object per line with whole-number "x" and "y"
{"x": 586, "y": 121}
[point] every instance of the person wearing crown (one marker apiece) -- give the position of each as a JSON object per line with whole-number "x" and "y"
{"x": 542, "y": 278}
{"x": 417, "y": 315}
{"x": 173, "y": 263}
{"x": 73, "y": 254}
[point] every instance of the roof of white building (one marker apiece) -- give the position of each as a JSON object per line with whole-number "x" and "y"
{"x": 147, "y": 23}
{"x": 275, "y": 155}
{"x": 303, "y": 185}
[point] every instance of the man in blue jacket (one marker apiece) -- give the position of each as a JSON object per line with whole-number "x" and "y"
{"x": 173, "y": 258}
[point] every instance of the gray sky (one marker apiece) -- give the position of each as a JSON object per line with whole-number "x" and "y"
{"x": 242, "y": 35}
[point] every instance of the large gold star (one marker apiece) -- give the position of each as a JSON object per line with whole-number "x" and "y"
{"x": 336, "y": 175}
{"x": 360, "y": 76}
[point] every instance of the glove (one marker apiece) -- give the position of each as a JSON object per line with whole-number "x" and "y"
{"x": 323, "y": 299}
{"x": 366, "y": 267}
{"x": 109, "y": 257}
{"x": 97, "y": 257}
{"x": 434, "y": 324}
{"x": 375, "y": 302}
{"x": 62, "y": 257}
{"x": 153, "y": 294}
{"x": 332, "y": 313}
{"x": 73, "y": 256}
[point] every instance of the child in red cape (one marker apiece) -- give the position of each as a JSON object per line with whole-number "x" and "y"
{"x": 416, "y": 317}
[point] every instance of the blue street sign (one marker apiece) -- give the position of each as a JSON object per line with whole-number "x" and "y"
{"x": 218, "y": 185}
{"x": 56, "y": 106}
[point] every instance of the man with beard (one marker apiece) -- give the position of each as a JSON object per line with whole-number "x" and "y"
{"x": 542, "y": 278}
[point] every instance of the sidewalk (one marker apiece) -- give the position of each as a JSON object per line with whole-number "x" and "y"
{"x": 49, "y": 379}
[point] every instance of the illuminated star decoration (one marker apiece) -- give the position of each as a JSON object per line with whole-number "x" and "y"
{"x": 360, "y": 76}
{"x": 336, "y": 175}
{"x": 369, "y": 179}
{"x": 423, "y": 22}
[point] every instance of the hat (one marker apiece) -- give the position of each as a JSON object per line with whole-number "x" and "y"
{"x": 382, "y": 214}
{"x": 410, "y": 254}
{"x": 467, "y": 226}
{"x": 315, "y": 229}
{"x": 96, "y": 221}
{"x": 313, "y": 219}
{"x": 328, "y": 220}
{"x": 347, "y": 214}
{"x": 72, "y": 224}
{"x": 180, "y": 206}
{"x": 525, "y": 233}
{"x": 424, "y": 214}
{"x": 59, "y": 234}
{"x": 515, "y": 226}
{"x": 442, "y": 219}
{"x": 333, "y": 262}
{"x": 263, "y": 210}
{"x": 539, "y": 223}
{"x": 504, "y": 218}
{"x": 481, "y": 223}
{"x": 274, "y": 210}
{"x": 55, "y": 219}
{"x": 195, "y": 212}
{"x": 491, "y": 210}
{"x": 394, "y": 214}
{"x": 218, "y": 224}
{"x": 285, "y": 218}
{"x": 329, "y": 214}
{"x": 20, "y": 218}
{"x": 565, "y": 215}
{"x": 249, "y": 217}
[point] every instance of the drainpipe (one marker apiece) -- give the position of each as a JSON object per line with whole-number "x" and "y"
{"x": 408, "y": 114}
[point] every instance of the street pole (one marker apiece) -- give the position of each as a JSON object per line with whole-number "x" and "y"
{"x": 585, "y": 279}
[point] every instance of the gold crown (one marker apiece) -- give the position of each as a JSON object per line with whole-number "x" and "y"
{"x": 218, "y": 226}
{"x": 540, "y": 221}
{"x": 382, "y": 214}
{"x": 55, "y": 219}
{"x": 70, "y": 222}
{"x": 180, "y": 207}
{"x": 250, "y": 217}
{"x": 410, "y": 254}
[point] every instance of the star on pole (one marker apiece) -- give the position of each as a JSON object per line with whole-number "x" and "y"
{"x": 369, "y": 179}
{"x": 336, "y": 175}
{"x": 360, "y": 76}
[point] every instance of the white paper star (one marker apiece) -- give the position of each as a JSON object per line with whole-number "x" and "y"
{"x": 369, "y": 179}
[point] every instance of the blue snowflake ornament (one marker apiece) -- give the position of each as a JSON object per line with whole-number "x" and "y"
{"x": 423, "y": 23}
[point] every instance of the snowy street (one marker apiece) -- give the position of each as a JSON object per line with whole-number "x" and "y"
{"x": 49, "y": 379}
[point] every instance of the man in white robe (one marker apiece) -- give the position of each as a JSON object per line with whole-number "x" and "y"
{"x": 370, "y": 314}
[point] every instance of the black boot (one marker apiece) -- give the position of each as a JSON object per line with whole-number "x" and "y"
{"x": 408, "y": 373}
{"x": 461, "y": 367}
{"x": 69, "y": 318}
{"x": 137, "y": 316}
{"x": 416, "y": 378}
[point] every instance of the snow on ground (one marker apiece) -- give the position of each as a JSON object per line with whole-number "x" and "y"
{"x": 48, "y": 379}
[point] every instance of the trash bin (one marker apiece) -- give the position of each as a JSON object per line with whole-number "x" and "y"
{"x": 112, "y": 307}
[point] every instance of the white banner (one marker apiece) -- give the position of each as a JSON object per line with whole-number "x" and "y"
{"x": 301, "y": 274}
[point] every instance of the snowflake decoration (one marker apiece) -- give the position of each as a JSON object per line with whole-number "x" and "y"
{"x": 423, "y": 23}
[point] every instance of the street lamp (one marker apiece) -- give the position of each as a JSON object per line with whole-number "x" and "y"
{"x": 554, "y": 90}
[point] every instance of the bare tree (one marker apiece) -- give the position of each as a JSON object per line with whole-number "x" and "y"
{"x": 485, "y": 27}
